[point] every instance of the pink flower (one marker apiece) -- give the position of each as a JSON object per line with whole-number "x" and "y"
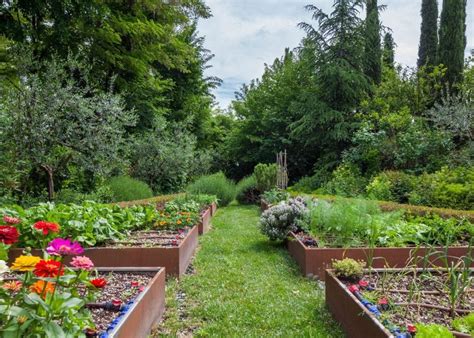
{"x": 64, "y": 247}
{"x": 11, "y": 220}
{"x": 82, "y": 262}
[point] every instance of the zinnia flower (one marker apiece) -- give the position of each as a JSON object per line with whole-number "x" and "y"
{"x": 99, "y": 283}
{"x": 64, "y": 247}
{"x": 13, "y": 286}
{"x": 3, "y": 268}
{"x": 25, "y": 263}
{"x": 46, "y": 227}
{"x": 11, "y": 220}
{"x": 49, "y": 268}
{"x": 8, "y": 234}
{"x": 82, "y": 262}
{"x": 42, "y": 288}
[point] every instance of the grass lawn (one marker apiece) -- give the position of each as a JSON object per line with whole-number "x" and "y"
{"x": 244, "y": 286}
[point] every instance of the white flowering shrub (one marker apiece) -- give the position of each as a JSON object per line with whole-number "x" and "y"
{"x": 277, "y": 221}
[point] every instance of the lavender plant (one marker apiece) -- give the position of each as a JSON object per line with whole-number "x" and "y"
{"x": 282, "y": 218}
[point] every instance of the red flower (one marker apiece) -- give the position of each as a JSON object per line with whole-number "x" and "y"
{"x": 8, "y": 234}
{"x": 135, "y": 284}
{"x": 49, "y": 268}
{"x": 411, "y": 328}
{"x": 11, "y": 220}
{"x": 99, "y": 283}
{"x": 46, "y": 227}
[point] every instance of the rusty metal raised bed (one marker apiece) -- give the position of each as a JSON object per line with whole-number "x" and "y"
{"x": 175, "y": 259}
{"x": 264, "y": 205}
{"x": 213, "y": 208}
{"x": 313, "y": 262}
{"x": 205, "y": 221}
{"x": 147, "y": 309}
{"x": 355, "y": 319}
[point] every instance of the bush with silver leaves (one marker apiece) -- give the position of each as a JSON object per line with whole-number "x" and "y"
{"x": 277, "y": 221}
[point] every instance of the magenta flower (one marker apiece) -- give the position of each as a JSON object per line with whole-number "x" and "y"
{"x": 64, "y": 247}
{"x": 82, "y": 262}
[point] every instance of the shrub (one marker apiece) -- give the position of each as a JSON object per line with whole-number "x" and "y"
{"x": 247, "y": 192}
{"x": 216, "y": 184}
{"x": 391, "y": 186}
{"x": 280, "y": 219}
{"x": 348, "y": 268}
{"x": 266, "y": 176}
{"x": 346, "y": 181}
{"x": 275, "y": 196}
{"x": 125, "y": 188}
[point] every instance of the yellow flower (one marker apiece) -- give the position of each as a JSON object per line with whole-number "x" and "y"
{"x": 21, "y": 319}
{"x": 178, "y": 221}
{"x": 25, "y": 263}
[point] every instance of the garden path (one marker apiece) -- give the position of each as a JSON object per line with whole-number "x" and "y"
{"x": 244, "y": 285}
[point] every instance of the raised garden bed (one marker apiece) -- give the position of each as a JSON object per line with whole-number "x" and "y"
{"x": 395, "y": 313}
{"x": 264, "y": 205}
{"x": 205, "y": 221}
{"x": 175, "y": 257}
{"x": 213, "y": 208}
{"x": 314, "y": 261}
{"x": 142, "y": 311}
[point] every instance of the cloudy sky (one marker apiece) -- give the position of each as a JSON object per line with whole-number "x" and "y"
{"x": 246, "y": 34}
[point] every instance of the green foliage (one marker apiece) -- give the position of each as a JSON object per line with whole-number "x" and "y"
{"x": 373, "y": 48}
{"x": 266, "y": 176}
{"x": 216, "y": 184}
{"x": 247, "y": 191}
{"x": 451, "y": 188}
{"x": 167, "y": 158}
{"x": 348, "y": 268}
{"x": 452, "y": 40}
{"x": 125, "y": 188}
{"x": 275, "y": 196}
{"x": 464, "y": 324}
{"x": 388, "y": 53}
{"x": 277, "y": 221}
{"x": 432, "y": 330}
{"x": 391, "y": 186}
{"x": 202, "y": 202}
{"x": 428, "y": 48}
{"x": 346, "y": 181}
{"x": 89, "y": 223}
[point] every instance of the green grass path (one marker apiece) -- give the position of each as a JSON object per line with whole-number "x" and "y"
{"x": 245, "y": 286}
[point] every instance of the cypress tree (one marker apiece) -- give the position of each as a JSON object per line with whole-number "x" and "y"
{"x": 373, "y": 50}
{"x": 452, "y": 40}
{"x": 429, "y": 33}
{"x": 388, "y": 55}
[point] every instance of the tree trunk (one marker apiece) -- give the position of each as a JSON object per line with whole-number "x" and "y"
{"x": 49, "y": 170}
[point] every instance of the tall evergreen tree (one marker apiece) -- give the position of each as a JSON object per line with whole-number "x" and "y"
{"x": 388, "y": 55}
{"x": 452, "y": 40}
{"x": 429, "y": 33}
{"x": 373, "y": 50}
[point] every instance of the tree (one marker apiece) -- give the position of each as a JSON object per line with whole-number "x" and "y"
{"x": 427, "y": 51}
{"x": 452, "y": 41}
{"x": 373, "y": 49}
{"x": 51, "y": 122}
{"x": 388, "y": 55}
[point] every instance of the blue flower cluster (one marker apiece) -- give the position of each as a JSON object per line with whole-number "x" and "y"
{"x": 123, "y": 310}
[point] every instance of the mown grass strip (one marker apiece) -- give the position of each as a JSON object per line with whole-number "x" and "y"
{"x": 245, "y": 286}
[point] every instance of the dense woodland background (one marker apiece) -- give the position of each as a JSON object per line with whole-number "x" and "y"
{"x": 94, "y": 93}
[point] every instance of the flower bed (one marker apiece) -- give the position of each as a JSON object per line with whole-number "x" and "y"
{"x": 63, "y": 294}
{"x": 400, "y": 303}
{"x": 313, "y": 261}
{"x": 174, "y": 257}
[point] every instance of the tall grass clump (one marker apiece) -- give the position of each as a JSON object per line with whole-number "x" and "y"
{"x": 216, "y": 184}
{"x": 125, "y": 188}
{"x": 247, "y": 192}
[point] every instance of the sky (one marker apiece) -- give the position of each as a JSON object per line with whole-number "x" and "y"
{"x": 246, "y": 34}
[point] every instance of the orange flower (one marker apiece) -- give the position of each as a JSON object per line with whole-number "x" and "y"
{"x": 13, "y": 286}
{"x": 178, "y": 221}
{"x": 42, "y": 288}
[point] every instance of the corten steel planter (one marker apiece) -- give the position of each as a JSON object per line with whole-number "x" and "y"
{"x": 264, "y": 205}
{"x": 213, "y": 208}
{"x": 146, "y": 310}
{"x": 205, "y": 221}
{"x": 314, "y": 261}
{"x": 174, "y": 259}
{"x": 355, "y": 319}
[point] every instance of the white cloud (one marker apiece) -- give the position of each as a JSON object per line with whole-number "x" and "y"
{"x": 246, "y": 34}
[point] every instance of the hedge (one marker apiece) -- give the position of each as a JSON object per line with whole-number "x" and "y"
{"x": 412, "y": 209}
{"x": 153, "y": 200}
